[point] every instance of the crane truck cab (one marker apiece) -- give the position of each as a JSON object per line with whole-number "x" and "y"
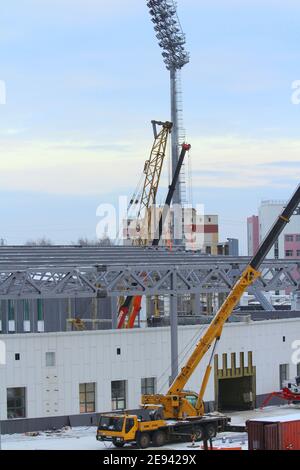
{"x": 141, "y": 426}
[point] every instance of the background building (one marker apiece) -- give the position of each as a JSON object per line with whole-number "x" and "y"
{"x": 201, "y": 232}
{"x": 229, "y": 248}
{"x": 252, "y": 234}
{"x": 288, "y": 244}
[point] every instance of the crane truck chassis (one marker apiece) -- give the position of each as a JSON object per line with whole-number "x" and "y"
{"x": 146, "y": 427}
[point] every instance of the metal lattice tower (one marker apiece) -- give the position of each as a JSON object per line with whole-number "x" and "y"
{"x": 172, "y": 40}
{"x": 181, "y": 138}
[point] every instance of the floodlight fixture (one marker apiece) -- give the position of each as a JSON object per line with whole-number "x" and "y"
{"x": 169, "y": 33}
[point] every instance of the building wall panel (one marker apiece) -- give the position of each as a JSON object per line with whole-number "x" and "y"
{"x": 91, "y": 356}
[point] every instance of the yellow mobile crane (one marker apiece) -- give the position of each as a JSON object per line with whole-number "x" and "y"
{"x": 179, "y": 413}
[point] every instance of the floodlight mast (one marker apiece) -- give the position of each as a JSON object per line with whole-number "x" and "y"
{"x": 172, "y": 40}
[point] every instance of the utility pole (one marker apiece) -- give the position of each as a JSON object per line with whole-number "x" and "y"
{"x": 172, "y": 40}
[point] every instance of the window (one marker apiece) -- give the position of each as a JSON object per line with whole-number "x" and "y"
{"x": 118, "y": 395}
{"x": 208, "y": 250}
{"x": 283, "y": 373}
{"x": 298, "y": 252}
{"x": 129, "y": 424}
{"x": 288, "y": 253}
{"x": 113, "y": 423}
{"x": 40, "y": 310}
{"x": 87, "y": 397}
{"x": 289, "y": 238}
{"x": 118, "y": 351}
{"x": 50, "y": 359}
{"x": 17, "y": 356}
{"x": 11, "y": 310}
{"x": 297, "y": 238}
{"x": 2, "y": 312}
{"x": 26, "y": 310}
{"x": 148, "y": 386}
{"x": 16, "y": 406}
{"x": 298, "y": 369}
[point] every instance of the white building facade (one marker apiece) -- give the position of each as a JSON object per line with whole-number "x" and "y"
{"x": 74, "y": 374}
{"x": 268, "y": 212}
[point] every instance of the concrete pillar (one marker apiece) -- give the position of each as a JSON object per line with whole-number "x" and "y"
{"x": 114, "y": 313}
{"x": 59, "y": 306}
{"x": 221, "y": 298}
{"x": 69, "y": 316}
{"x": 94, "y": 313}
{"x": 196, "y": 304}
{"x": 209, "y": 304}
{"x": 174, "y": 330}
{"x": 144, "y": 312}
{"x": 296, "y": 301}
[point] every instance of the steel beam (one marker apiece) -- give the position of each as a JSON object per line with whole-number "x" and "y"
{"x": 264, "y": 302}
{"x": 86, "y": 272}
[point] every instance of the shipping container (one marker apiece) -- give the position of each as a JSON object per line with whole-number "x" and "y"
{"x": 277, "y": 433}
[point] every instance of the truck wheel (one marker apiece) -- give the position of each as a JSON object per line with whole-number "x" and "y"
{"x": 118, "y": 443}
{"x": 143, "y": 441}
{"x": 210, "y": 431}
{"x": 159, "y": 438}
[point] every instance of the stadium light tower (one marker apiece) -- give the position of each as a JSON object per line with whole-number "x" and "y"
{"x": 172, "y": 40}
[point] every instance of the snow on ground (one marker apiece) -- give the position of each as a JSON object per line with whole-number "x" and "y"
{"x": 84, "y": 438}
{"x": 67, "y": 439}
{"x": 240, "y": 417}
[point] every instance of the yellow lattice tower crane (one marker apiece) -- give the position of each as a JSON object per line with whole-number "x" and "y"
{"x": 152, "y": 170}
{"x": 142, "y": 224}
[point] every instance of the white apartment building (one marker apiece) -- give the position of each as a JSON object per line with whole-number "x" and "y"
{"x": 287, "y": 242}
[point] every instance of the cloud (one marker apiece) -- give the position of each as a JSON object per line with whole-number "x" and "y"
{"x": 68, "y": 167}
{"x": 93, "y": 167}
{"x": 237, "y": 162}
{"x": 234, "y": 149}
{"x": 12, "y": 131}
{"x": 78, "y": 11}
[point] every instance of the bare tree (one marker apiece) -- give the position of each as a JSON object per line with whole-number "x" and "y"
{"x": 104, "y": 241}
{"x": 40, "y": 242}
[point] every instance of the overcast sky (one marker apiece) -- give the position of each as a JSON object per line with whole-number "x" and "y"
{"x": 84, "y": 78}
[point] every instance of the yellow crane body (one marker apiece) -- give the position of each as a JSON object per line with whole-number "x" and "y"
{"x": 175, "y": 402}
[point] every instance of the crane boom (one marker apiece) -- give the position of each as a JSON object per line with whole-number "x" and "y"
{"x": 175, "y": 403}
{"x": 184, "y": 148}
